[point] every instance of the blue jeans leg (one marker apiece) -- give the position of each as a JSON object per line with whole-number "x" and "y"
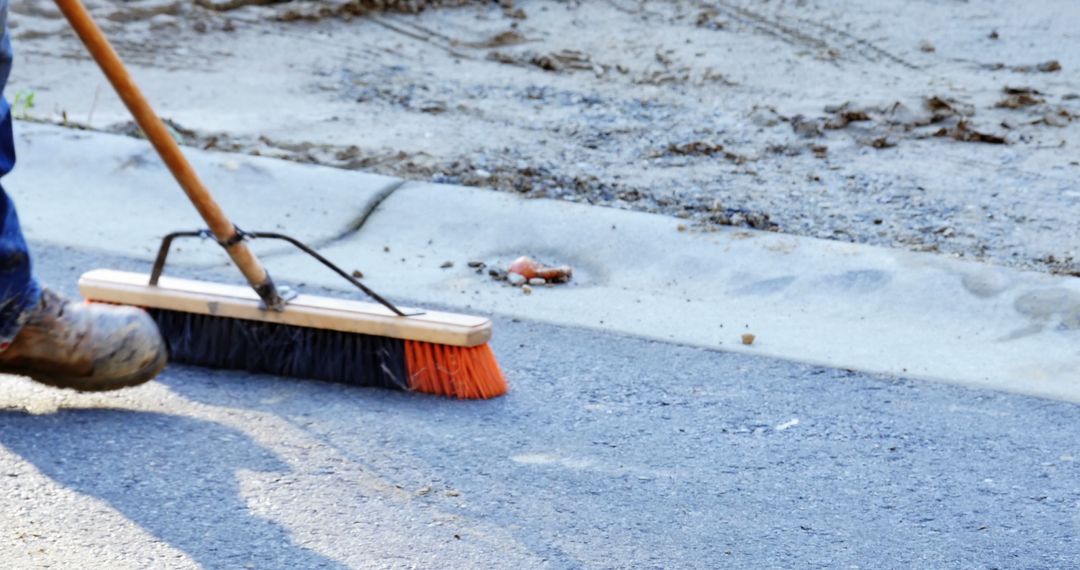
{"x": 19, "y": 291}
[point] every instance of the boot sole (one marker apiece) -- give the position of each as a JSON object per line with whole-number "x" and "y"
{"x": 143, "y": 375}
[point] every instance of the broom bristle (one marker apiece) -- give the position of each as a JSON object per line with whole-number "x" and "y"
{"x": 350, "y": 358}
{"x": 456, "y": 371}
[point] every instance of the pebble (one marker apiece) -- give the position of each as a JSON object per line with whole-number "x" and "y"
{"x": 526, "y": 289}
{"x": 537, "y": 281}
{"x": 748, "y": 339}
{"x": 515, "y": 279}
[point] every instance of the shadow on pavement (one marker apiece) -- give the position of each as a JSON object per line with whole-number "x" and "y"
{"x": 174, "y": 476}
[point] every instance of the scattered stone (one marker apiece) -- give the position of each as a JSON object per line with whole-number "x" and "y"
{"x": 943, "y": 107}
{"x": 537, "y": 281}
{"x": 526, "y": 289}
{"x": 882, "y": 142}
{"x": 476, "y": 264}
{"x": 516, "y": 279}
{"x": 994, "y": 35}
{"x": 497, "y": 274}
{"x": 748, "y": 339}
{"x": 358, "y": 274}
{"x": 844, "y": 115}
{"x": 964, "y": 133}
{"x": 1019, "y": 101}
{"x": 1049, "y": 66}
{"x": 806, "y": 127}
{"x": 701, "y": 148}
{"x": 446, "y": 265}
{"x": 502, "y": 39}
{"x": 926, "y": 46}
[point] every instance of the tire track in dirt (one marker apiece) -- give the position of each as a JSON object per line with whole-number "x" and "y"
{"x": 794, "y": 31}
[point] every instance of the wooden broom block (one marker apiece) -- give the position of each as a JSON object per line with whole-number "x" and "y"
{"x": 240, "y": 302}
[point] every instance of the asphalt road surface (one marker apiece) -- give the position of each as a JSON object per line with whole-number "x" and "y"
{"x": 609, "y": 452}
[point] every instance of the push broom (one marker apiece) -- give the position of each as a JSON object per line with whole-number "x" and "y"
{"x": 268, "y": 329}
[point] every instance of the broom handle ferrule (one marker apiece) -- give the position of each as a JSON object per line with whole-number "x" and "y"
{"x": 159, "y": 136}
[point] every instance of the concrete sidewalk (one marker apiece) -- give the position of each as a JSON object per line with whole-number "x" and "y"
{"x": 824, "y": 302}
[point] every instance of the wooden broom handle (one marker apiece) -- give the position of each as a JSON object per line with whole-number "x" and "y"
{"x": 167, "y": 148}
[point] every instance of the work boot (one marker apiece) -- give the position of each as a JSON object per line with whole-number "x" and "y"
{"x": 86, "y": 347}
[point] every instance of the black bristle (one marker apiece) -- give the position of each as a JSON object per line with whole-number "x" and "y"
{"x": 283, "y": 350}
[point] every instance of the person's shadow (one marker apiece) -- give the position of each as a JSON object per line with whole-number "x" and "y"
{"x": 174, "y": 476}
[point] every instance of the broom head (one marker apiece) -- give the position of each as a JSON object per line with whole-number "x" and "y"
{"x": 338, "y": 340}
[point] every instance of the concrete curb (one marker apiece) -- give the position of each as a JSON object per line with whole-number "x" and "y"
{"x": 824, "y": 302}
{"x": 817, "y": 301}
{"x": 114, "y": 194}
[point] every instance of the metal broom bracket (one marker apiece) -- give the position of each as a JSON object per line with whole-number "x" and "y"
{"x": 166, "y": 244}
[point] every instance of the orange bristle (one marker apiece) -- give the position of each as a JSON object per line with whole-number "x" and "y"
{"x": 458, "y": 372}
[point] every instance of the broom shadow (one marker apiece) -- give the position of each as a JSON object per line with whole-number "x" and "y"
{"x": 174, "y": 476}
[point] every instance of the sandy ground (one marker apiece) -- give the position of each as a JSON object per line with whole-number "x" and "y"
{"x": 941, "y": 126}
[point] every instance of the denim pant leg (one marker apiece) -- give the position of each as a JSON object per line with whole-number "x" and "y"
{"x": 19, "y": 292}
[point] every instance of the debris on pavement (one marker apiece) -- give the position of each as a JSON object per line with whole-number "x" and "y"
{"x": 525, "y": 271}
{"x": 748, "y": 339}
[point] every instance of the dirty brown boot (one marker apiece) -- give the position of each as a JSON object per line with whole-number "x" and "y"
{"x": 86, "y": 347}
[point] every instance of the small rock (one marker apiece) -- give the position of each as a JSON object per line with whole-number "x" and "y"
{"x": 477, "y": 264}
{"x": 882, "y": 142}
{"x": 446, "y": 265}
{"x": 497, "y": 274}
{"x": 516, "y": 279}
{"x": 526, "y": 289}
{"x": 358, "y": 274}
{"x": 1049, "y": 66}
{"x": 806, "y": 127}
{"x": 926, "y": 46}
{"x": 748, "y": 339}
{"x": 537, "y": 281}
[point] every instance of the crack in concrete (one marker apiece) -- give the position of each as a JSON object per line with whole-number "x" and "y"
{"x": 355, "y": 226}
